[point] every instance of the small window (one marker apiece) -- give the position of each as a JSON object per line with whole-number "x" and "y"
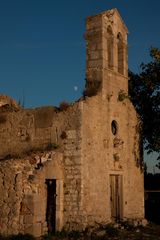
{"x": 114, "y": 127}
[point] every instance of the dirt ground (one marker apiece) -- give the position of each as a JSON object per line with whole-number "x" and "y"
{"x": 108, "y": 232}
{"x": 151, "y": 232}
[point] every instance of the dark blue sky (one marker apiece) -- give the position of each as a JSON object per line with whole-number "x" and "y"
{"x": 42, "y": 50}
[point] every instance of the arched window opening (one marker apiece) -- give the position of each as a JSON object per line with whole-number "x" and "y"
{"x": 120, "y": 54}
{"x": 114, "y": 127}
{"x": 110, "y": 47}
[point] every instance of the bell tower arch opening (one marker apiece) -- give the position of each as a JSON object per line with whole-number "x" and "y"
{"x": 110, "y": 47}
{"x": 120, "y": 52}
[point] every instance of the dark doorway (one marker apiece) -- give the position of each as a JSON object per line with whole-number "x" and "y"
{"x": 116, "y": 196}
{"x": 51, "y": 205}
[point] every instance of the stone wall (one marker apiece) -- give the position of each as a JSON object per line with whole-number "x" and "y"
{"x": 105, "y": 154}
{"x": 87, "y": 154}
{"x": 23, "y": 193}
{"x": 41, "y": 144}
{"x": 23, "y": 201}
{"x": 32, "y": 129}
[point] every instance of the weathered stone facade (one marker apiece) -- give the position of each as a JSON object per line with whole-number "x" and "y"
{"x": 72, "y": 168}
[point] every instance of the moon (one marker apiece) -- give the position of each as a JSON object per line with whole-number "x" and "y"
{"x": 75, "y": 88}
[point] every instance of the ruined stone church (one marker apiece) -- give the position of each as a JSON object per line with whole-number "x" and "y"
{"x": 72, "y": 167}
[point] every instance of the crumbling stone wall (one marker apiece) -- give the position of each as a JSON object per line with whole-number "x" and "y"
{"x": 23, "y": 201}
{"x": 32, "y": 129}
{"x": 32, "y": 134}
{"x": 14, "y": 185}
{"x": 6, "y": 101}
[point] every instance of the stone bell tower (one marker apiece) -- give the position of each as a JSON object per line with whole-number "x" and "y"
{"x": 112, "y": 164}
{"x": 107, "y": 60}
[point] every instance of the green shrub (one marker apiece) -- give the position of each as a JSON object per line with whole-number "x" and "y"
{"x": 47, "y": 237}
{"x": 51, "y": 146}
{"x": 122, "y": 95}
{"x": 111, "y": 231}
{"x": 63, "y": 106}
{"x": 57, "y": 235}
{"x": 74, "y": 234}
{"x": 127, "y": 225}
{"x": 61, "y": 234}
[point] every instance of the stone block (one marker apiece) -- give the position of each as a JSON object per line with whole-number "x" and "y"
{"x": 28, "y": 219}
{"x": 71, "y": 134}
{"x": 37, "y": 229}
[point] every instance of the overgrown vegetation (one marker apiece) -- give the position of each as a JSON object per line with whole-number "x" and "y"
{"x": 35, "y": 150}
{"x": 51, "y": 146}
{"x": 92, "y": 88}
{"x": 63, "y": 135}
{"x": 63, "y": 106}
{"x": 122, "y": 95}
{"x": 144, "y": 90}
{"x": 118, "y": 231}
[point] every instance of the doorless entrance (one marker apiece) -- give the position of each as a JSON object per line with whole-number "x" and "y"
{"x": 51, "y": 205}
{"x": 116, "y": 196}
